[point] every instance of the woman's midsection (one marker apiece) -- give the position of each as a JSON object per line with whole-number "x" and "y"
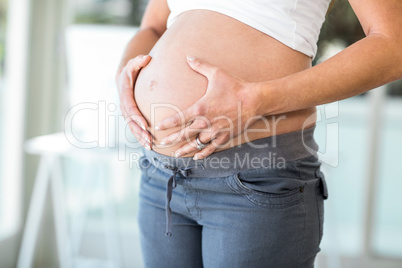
{"x": 168, "y": 85}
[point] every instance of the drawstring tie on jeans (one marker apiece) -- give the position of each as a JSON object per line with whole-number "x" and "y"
{"x": 171, "y": 184}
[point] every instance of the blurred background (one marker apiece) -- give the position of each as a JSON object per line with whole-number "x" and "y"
{"x": 65, "y": 207}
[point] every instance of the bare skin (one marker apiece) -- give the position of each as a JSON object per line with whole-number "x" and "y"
{"x": 294, "y": 92}
{"x": 168, "y": 84}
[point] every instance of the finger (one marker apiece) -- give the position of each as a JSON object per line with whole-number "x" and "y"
{"x": 191, "y": 146}
{"x": 144, "y": 137}
{"x": 211, "y": 147}
{"x": 176, "y": 137}
{"x": 134, "y": 65}
{"x": 133, "y": 111}
{"x": 123, "y": 111}
{"x": 180, "y": 118}
{"x": 202, "y": 67}
{"x": 186, "y": 149}
{"x": 198, "y": 125}
{"x": 127, "y": 100}
{"x": 140, "y": 135}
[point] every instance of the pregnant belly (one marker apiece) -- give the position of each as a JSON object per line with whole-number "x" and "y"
{"x": 168, "y": 85}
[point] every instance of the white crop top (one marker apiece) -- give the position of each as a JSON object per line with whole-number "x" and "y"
{"x": 295, "y": 23}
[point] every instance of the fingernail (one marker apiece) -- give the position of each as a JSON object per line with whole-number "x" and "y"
{"x": 177, "y": 154}
{"x": 147, "y": 139}
{"x": 190, "y": 58}
{"x": 139, "y": 123}
{"x": 144, "y": 57}
{"x": 195, "y": 157}
{"x": 157, "y": 128}
{"x": 162, "y": 143}
{"x": 148, "y": 147}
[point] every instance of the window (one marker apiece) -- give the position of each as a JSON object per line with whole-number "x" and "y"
{"x": 3, "y": 186}
{"x": 353, "y": 222}
{"x": 3, "y": 17}
{"x": 13, "y": 19}
{"x": 387, "y": 214}
{"x": 95, "y": 43}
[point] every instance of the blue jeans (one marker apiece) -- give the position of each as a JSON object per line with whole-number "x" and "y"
{"x": 242, "y": 207}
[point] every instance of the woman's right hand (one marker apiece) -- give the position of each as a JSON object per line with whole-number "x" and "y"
{"x": 125, "y": 80}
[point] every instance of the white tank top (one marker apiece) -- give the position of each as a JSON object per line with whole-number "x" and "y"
{"x": 295, "y": 23}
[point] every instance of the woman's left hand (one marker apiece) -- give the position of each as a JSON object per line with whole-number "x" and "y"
{"x": 228, "y": 107}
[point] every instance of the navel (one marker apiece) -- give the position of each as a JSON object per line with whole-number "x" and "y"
{"x": 152, "y": 85}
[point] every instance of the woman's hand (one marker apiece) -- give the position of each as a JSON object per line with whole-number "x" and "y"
{"x": 225, "y": 111}
{"x": 125, "y": 80}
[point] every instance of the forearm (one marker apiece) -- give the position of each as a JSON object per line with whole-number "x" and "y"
{"x": 142, "y": 43}
{"x": 369, "y": 63}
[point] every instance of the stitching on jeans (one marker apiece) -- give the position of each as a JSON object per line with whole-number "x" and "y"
{"x": 304, "y": 235}
{"x": 297, "y": 167}
{"x": 188, "y": 193}
{"x": 269, "y": 195}
{"x": 273, "y": 206}
{"x": 197, "y": 199}
{"x": 250, "y": 191}
{"x": 254, "y": 201}
{"x": 185, "y": 200}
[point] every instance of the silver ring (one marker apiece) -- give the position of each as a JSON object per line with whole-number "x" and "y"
{"x": 199, "y": 144}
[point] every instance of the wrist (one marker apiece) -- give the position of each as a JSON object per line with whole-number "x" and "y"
{"x": 265, "y": 99}
{"x": 118, "y": 74}
{"x": 249, "y": 99}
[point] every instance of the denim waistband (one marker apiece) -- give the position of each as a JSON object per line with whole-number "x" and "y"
{"x": 270, "y": 152}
